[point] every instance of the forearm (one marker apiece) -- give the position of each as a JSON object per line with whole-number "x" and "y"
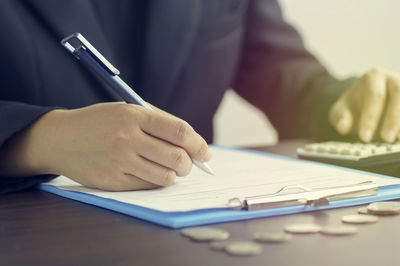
{"x": 279, "y": 76}
{"x": 310, "y": 115}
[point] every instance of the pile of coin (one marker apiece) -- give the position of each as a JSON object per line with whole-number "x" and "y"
{"x": 217, "y": 237}
{"x": 271, "y": 237}
{"x": 384, "y": 208}
{"x": 302, "y": 228}
{"x": 359, "y": 219}
{"x": 205, "y": 234}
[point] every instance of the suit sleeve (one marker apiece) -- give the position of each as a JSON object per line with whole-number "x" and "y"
{"x": 21, "y": 100}
{"x": 279, "y": 76}
{"x": 14, "y": 117}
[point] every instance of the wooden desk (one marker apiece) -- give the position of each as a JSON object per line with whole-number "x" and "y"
{"x": 38, "y": 228}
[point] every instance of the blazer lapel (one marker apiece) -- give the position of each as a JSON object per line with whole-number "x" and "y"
{"x": 170, "y": 31}
{"x": 67, "y": 17}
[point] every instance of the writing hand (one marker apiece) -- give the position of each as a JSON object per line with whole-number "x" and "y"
{"x": 111, "y": 146}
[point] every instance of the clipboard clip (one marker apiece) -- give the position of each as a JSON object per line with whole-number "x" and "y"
{"x": 306, "y": 196}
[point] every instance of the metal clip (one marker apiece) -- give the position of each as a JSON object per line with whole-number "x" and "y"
{"x": 76, "y": 44}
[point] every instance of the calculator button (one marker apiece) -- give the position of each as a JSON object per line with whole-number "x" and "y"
{"x": 311, "y": 147}
{"x": 362, "y": 152}
{"x": 333, "y": 149}
{"x": 346, "y": 151}
{"x": 394, "y": 147}
{"x": 322, "y": 148}
{"x": 379, "y": 150}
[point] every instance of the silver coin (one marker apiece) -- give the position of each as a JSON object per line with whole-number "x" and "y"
{"x": 243, "y": 248}
{"x": 339, "y": 230}
{"x": 384, "y": 208}
{"x": 302, "y": 228}
{"x": 359, "y": 219}
{"x": 205, "y": 234}
{"x": 363, "y": 210}
{"x": 271, "y": 237}
{"x": 218, "y": 245}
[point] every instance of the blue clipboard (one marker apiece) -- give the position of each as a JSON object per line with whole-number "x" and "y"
{"x": 218, "y": 215}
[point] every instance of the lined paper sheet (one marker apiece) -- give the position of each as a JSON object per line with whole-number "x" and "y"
{"x": 238, "y": 173}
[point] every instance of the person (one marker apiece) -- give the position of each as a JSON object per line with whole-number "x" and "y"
{"x": 180, "y": 56}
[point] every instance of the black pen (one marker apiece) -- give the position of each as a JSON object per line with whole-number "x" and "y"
{"x": 93, "y": 60}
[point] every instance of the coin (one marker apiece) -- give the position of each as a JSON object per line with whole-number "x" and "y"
{"x": 243, "y": 248}
{"x": 363, "y": 210}
{"x": 218, "y": 245}
{"x": 271, "y": 237}
{"x": 384, "y": 208}
{"x": 302, "y": 228}
{"x": 205, "y": 234}
{"x": 339, "y": 230}
{"x": 359, "y": 219}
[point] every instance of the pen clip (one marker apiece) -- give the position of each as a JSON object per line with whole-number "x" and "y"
{"x": 75, "y": 43}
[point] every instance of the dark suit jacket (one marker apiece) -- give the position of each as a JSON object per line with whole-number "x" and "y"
{"x": 180, "y": 55}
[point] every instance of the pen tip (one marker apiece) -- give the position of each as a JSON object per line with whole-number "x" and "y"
{"x": 208, "y": 169}
{"x": 204, "y": 166}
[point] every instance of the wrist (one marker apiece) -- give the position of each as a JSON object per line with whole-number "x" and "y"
{"x": 42, "y": 141}
{"x": 29, "y": 151}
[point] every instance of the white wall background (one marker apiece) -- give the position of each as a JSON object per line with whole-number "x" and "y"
{"x": 348, "y": 36}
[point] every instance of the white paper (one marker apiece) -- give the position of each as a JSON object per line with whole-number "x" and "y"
{"x": 239, "y": 174}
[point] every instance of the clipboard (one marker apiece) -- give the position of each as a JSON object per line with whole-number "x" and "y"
{"x": 251, "y": 207}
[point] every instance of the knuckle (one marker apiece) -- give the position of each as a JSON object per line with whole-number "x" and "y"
{"x": 371, "y": 75}
{"x": 182, "y": 129}
{"x": 125, "y": 115}
{"x": 168, "y": 177}
{"x": 119, "y": 140}
{"x": 146, "y": 117}
{"x": 378, "y": 93}
{"x": 201, "y": 150}
{"x": 394, "y": 88}
{"x": 375, "y": 71}
{"x": 123, "y": 110}
{"x": 186, "y": 170}
{"x": 178, "y": 158}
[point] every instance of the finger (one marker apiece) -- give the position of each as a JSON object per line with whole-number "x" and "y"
{"x": 150, "y": 171}
{"x": 165, "y": 154}
{"x": 341, "y": 117}
{"x": 130, "y": 182}
{"x": 373, "y": 103}
{"x": 177, "y": 132}
{"x": 391, "y": 122}
{"x": 120, "y": 182}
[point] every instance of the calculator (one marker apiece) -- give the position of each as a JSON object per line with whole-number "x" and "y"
{"x": 383, "y": 158}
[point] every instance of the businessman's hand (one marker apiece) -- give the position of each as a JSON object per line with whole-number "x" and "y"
{"x": 111, "y": 146}
{"x": 371, "y": 106}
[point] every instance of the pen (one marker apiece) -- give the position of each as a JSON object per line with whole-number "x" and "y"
{"x": 93, "y": 60}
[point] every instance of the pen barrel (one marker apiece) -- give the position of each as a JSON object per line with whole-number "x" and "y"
{"x": 114, "y": 82}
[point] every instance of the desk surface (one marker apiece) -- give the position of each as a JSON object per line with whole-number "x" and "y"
{"x": 39, "y": 228}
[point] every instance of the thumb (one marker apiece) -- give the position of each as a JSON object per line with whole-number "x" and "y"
{"x": 341, "y": 117}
